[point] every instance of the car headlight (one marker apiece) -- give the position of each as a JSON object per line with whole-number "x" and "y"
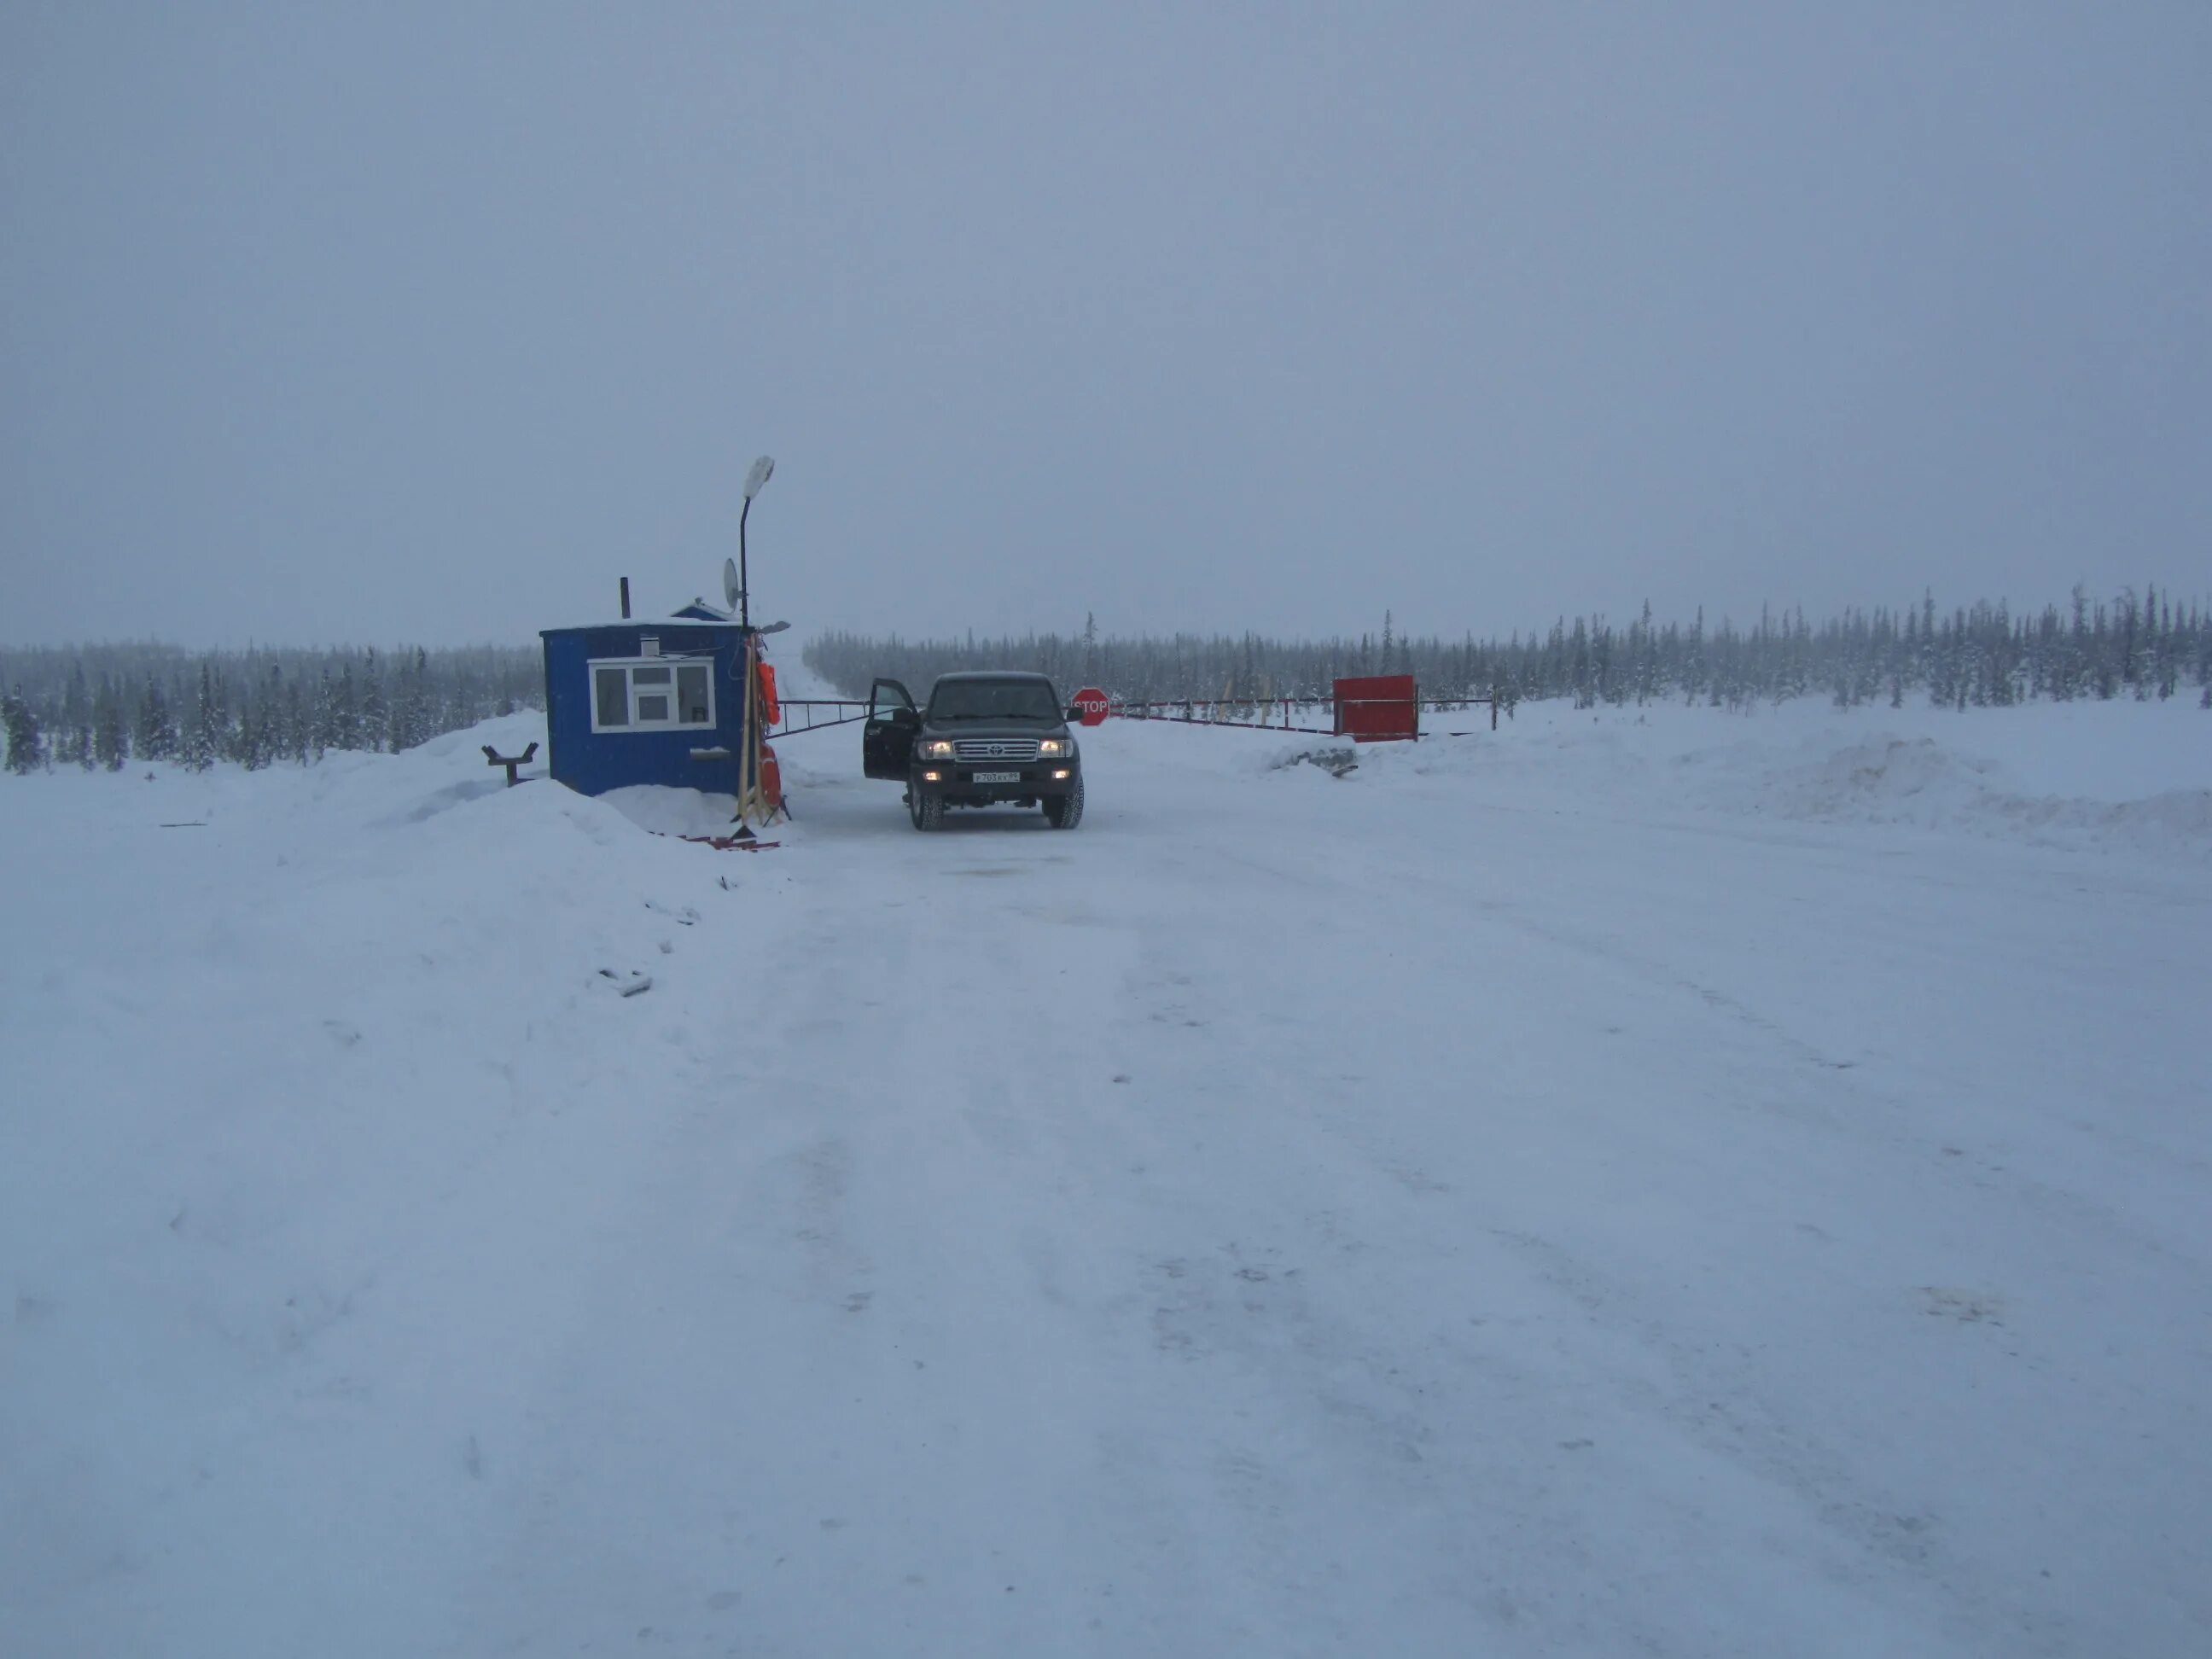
{"x": 1056, "y": 747}
{"x": 937, "y": 749}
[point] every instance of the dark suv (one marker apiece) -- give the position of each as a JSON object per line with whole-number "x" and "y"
{"x": 984, "y": 739}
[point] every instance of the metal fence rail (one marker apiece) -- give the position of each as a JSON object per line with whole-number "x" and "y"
{"x": 816, "y": 721}
{"x": 1293, "y": 714}
{"x": 1283, "y": 714}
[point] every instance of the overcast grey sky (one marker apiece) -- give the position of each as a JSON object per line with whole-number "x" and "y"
{"x": 385, "y": 322}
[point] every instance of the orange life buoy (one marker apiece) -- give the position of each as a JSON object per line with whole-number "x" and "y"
{"x": 767, "y": 694}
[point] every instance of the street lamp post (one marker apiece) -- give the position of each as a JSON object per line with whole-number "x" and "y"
{"x": 756, "y": 480}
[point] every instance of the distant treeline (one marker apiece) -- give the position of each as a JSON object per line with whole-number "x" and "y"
{"x": 2139, "y": 646}
{"x": 107, "y": 705}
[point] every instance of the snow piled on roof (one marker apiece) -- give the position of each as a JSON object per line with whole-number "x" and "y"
{"x": 646, "y": 624}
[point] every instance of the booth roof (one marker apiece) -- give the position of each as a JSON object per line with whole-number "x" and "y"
{"x": 646, "y": 623}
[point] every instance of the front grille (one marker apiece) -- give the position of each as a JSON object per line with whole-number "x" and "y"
{"x": 996, "y": 748}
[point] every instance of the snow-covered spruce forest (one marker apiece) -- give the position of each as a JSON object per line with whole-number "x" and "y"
{"x": 2146, "y": 646}
{"x": 105, "y": 705}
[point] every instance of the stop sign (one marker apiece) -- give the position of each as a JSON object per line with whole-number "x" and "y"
{"x": 1092, "y": 701}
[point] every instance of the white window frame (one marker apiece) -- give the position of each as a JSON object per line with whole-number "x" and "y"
{"x": 674, "y": 665}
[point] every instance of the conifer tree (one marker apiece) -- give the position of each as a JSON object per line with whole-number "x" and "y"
{"x": 345, "y": 722}
{"x": 154, "y": 737}
{"x": 298, "y": 726}
{"x": 75, "y": 737}
{"x": 374, "y": 726}
{"x": 111, "y": 735}
{"x": 202, "y": 734}
{"x": 322, "y": 728}
{"x": 26, "y": 741}
{"x": 410, "y": 721}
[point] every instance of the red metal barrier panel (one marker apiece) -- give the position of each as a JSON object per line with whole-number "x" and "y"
{"x": 1378, "y": 707}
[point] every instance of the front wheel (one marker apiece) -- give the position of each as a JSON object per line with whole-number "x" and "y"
{"x": 1065, "y": 811}
{"x": 928, "y": 811}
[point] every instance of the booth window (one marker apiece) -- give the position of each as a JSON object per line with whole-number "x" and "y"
{"x": 656, "y": 695}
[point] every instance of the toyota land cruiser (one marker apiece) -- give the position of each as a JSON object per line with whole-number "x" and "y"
{"x": 985, "y": 738}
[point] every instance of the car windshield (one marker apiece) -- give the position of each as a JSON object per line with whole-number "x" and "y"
{"x": 993, "y": 699}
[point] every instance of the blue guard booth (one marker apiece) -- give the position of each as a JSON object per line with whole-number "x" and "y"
{"x": 657, "y": 701}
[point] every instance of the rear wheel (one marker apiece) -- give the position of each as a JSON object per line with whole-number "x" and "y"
{"x": 1065, "y": 811}
{"x": 928, "y": 811}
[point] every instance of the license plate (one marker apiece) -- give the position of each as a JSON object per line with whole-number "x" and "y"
{"x": 994, "y": 777}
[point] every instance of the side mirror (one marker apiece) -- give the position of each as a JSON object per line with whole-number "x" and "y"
{"x": 906, "y": 717}
{"x": 1075, "y": 713}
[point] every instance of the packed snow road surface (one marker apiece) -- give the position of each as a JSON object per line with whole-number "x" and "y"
{"x": 1696, "y": 1186}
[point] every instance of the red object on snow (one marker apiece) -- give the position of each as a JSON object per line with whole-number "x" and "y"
{"x": 1378, "y": 708}
{"x": 1092, "y": 701}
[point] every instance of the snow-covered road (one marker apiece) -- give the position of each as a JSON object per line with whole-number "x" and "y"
{"x": 1485, "y": 1204}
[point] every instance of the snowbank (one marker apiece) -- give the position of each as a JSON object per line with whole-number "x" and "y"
{"x": 1662, "y": 1183}
{"x": 260, "y": 1064}
{"x": 666, "y": 811}
{"x": 2126, "y": 777}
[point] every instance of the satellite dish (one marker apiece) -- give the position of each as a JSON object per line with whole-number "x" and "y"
{"x": 729, "y": 581}
{"x": 757, "y": 480}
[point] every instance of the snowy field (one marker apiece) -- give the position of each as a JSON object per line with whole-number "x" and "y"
{"x": 1674, "y": 1184}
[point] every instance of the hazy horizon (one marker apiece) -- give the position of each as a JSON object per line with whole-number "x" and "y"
{"x": 1742, "y": 621}
{"x": 410, "y": 324}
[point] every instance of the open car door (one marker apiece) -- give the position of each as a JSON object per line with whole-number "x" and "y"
{"x": 887, "y": 739}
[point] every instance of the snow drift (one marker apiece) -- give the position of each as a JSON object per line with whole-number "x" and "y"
{"x": 1675, "y": 1183}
